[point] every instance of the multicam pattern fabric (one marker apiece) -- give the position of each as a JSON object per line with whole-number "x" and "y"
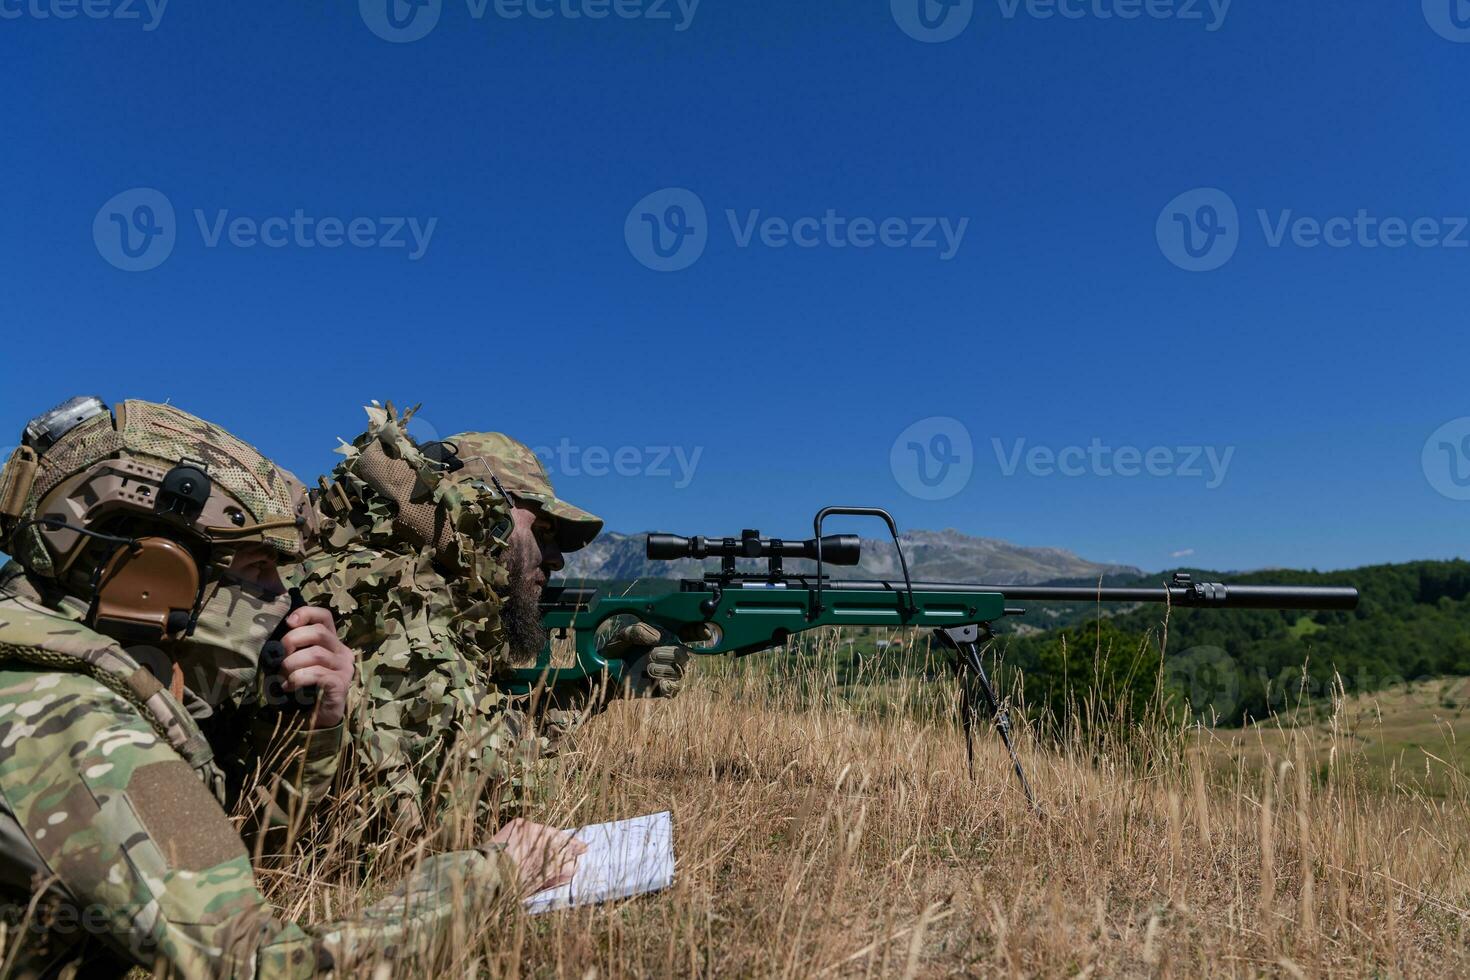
{"x": 426, "y": 620}
{"x": 521, "y": 473}
{"x": 162, "y": 435}
{"x": 113, "y": 851}
{"x": 39, "y": 638}
{"x": 304, "y": 761}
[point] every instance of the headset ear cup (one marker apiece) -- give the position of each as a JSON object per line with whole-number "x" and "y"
{"x": 142, "y": 587}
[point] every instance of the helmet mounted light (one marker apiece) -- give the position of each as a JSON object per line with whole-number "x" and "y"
{"x": 44, "y": 431}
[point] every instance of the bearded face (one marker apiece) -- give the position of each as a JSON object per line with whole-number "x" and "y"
{"x": 521, "y": 614}
{"x": 532, "y": 557}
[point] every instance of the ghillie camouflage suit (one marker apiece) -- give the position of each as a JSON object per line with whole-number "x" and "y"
{"x": 656, "y": 662}
{"x": 114, "y": 848}
{"x": 409, "y": 568}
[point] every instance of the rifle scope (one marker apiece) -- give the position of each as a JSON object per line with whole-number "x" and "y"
{"x": 837, "y": 549}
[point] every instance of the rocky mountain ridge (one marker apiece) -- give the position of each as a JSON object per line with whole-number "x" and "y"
{"x": 933, "y": 556}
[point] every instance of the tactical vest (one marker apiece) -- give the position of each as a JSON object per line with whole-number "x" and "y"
{"x": 33, "y": 636}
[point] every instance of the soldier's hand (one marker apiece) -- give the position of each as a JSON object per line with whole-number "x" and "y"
{"x": 654, "y": 662}
{"x": 315, "y": 657}
{"x": 545, "y": 856}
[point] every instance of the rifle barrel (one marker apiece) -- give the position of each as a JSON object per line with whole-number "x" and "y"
{"x": 1213, "y": 595}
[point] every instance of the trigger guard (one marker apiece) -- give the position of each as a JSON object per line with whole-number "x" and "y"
{"x": 589, "y": 660}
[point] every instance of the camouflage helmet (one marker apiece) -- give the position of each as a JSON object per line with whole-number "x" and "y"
{"x": 512, "y": 465}
{"x": 392, "y": 489}
{"x": 84, "y": 472}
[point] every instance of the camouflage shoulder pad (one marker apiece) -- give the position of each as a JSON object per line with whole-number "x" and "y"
{"x": 33, "y": 635}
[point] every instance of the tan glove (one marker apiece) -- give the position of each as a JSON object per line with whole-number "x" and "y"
{"x": 654, "y": 662}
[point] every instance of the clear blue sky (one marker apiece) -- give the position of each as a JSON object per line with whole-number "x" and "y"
{"x": 1059, "y": 319}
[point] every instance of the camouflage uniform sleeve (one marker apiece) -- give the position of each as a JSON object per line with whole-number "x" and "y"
{"x": 154, "y": 867}
{"x": 286, "y": 771}
{"x": 276, "y": 770}
{"x": 301, "y": 761}
{"x": 309, "y": 756}
{"x": 441, "y": 902}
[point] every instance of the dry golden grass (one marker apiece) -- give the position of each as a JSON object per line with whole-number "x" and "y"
{"x": 816, "y": 837}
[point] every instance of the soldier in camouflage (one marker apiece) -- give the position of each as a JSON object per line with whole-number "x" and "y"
{"x": 546, "y": 528}
{"x": 149, "y": 527}
{"x": 434, "y": 558}
{"x": 410, "y": 563}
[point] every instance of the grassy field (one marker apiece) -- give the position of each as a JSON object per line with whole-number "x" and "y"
{"x": 1409, "y": 738}
{"x": 820, "y": 836}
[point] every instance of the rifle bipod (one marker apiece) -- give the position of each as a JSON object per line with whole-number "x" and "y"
{"x": 975, "y": 687}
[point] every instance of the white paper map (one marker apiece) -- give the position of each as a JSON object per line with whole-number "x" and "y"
{"x": 624, "y": 858}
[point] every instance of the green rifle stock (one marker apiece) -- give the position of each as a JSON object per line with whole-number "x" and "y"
{"x": 744, "y": 613}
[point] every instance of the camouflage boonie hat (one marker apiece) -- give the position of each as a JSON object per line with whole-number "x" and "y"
{"x": 521, "y": 473}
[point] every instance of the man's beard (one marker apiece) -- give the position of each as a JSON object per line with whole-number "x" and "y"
{"x": 521, "y": 614}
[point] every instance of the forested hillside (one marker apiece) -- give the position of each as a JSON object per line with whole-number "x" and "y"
{"x": 1413, "y": 622}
